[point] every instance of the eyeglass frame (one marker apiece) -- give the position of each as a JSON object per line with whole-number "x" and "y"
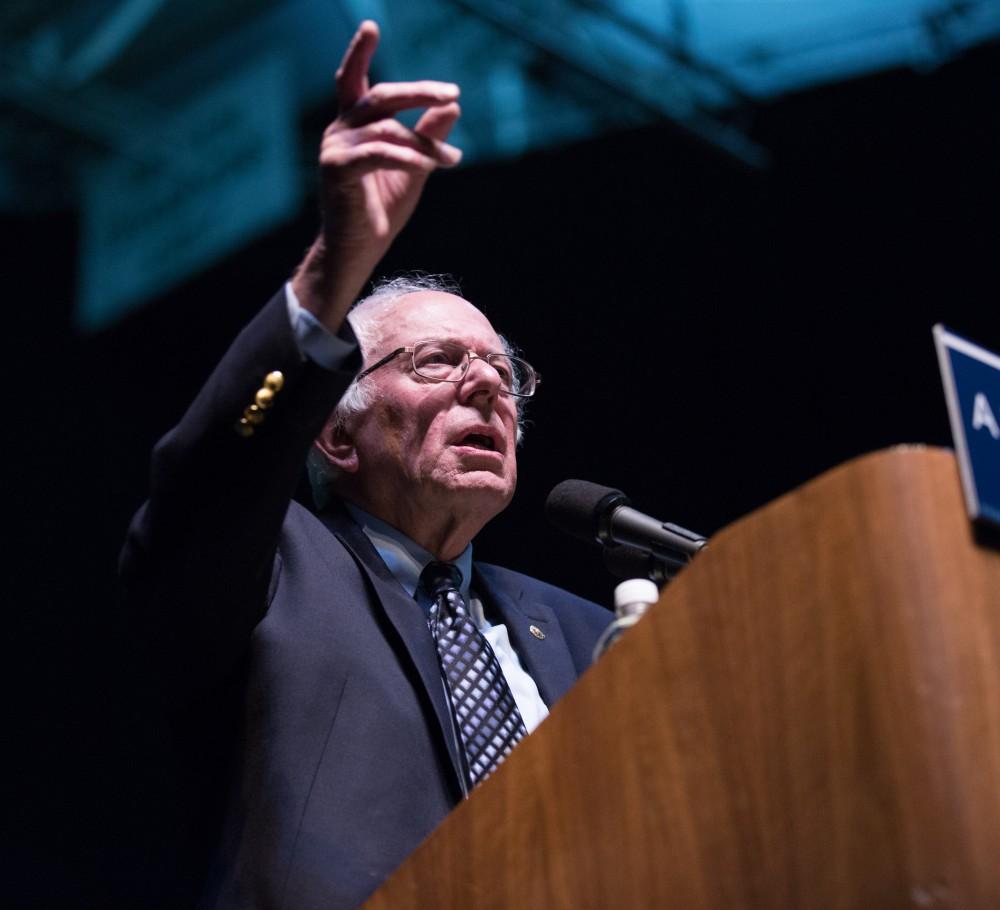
{"x": 470, "y": 355}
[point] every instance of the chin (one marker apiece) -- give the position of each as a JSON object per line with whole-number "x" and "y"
{"x": 486, "y": 483}
{"x": 486, "y": 486}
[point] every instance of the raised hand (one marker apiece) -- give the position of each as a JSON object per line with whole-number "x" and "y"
{"x": 373, "y": 170}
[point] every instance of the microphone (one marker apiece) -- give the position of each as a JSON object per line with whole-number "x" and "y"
{"x": 592, "y": 512}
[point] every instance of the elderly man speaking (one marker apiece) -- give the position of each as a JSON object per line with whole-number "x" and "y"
{"x": 353, "y": 672}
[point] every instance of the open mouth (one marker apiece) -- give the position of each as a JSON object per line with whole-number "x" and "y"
{"x": 478, "y": 441}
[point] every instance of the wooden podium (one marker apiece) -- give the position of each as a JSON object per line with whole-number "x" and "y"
{"x": 809, "y": 718}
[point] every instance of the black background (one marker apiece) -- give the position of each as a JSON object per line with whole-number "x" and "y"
{"x": 709, "y": 338}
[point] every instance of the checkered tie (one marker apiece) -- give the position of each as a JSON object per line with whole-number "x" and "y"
{"x": 486, "y": 715}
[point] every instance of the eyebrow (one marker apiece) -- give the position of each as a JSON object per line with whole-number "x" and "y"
{"x": 463, "y": 344}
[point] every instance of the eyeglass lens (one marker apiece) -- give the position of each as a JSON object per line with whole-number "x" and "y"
{"x": 445, "y": 361}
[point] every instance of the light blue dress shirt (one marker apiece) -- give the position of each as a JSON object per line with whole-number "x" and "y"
{"x": 315, "y": 343}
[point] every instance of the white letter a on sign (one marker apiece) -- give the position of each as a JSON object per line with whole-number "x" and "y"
{"x": 982, "y": 416}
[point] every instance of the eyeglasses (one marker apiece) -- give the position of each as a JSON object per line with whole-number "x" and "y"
{"x": 446, "y": 361}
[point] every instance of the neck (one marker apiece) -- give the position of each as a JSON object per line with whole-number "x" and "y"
{"x": 446, "y": 541}
{"x": 441, "y": 532}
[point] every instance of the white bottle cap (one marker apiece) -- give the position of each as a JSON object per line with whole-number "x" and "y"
{"x": 636, "y": 591}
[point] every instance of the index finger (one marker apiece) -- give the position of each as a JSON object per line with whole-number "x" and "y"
{"x": 390, "y": 98}
{"x": 352, "y": 75}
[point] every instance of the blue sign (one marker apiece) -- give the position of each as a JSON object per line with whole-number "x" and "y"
{"x": 971, "y": 376}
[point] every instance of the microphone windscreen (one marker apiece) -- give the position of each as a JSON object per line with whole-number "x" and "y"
{"x": 576, "y": 507}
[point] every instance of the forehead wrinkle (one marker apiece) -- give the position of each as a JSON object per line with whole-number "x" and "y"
{"x": 443, "y": 318}
{"x": 491, "y": 347}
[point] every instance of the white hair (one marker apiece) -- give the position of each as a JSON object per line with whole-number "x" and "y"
{"x": 368, "y": 318}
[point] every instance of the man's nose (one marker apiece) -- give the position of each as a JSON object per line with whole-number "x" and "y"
{"x": 481, "y": 376}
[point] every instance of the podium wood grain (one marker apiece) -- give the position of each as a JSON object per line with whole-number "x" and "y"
{"x": 810, "y": 717}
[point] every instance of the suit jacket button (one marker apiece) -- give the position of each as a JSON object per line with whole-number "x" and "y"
{"x": 264, "y": 398}
{"x": 244, "y": 428}
{"x": 274, "y": 380}
{"x": 253, "y": 415}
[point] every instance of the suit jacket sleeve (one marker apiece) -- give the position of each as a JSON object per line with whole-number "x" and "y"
{"x": 200, "y": 560}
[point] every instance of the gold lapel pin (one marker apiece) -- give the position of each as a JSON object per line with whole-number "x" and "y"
{"x": 538, "y": 633}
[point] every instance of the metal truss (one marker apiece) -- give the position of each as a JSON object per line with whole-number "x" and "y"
{"x": 628, "y": 60}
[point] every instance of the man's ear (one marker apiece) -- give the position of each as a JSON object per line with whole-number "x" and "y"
{"x": 338, "y": 446}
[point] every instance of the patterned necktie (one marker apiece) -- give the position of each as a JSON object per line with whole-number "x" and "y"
{"x": 486, "y": 715}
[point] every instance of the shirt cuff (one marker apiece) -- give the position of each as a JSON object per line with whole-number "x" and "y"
{"x": 315, "y": 342}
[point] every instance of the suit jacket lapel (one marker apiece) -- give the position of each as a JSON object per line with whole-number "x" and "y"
{"x": 407, "y": 619}
{"x": 547, "y": 659}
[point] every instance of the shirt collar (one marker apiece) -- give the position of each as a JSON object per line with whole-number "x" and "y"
{"x": 404, "y": 558}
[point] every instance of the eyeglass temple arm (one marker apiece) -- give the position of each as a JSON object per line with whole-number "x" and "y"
{"x": 380, "y": 363}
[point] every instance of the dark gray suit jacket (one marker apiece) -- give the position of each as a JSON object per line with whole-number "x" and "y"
{"x": 340, "y": 756}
